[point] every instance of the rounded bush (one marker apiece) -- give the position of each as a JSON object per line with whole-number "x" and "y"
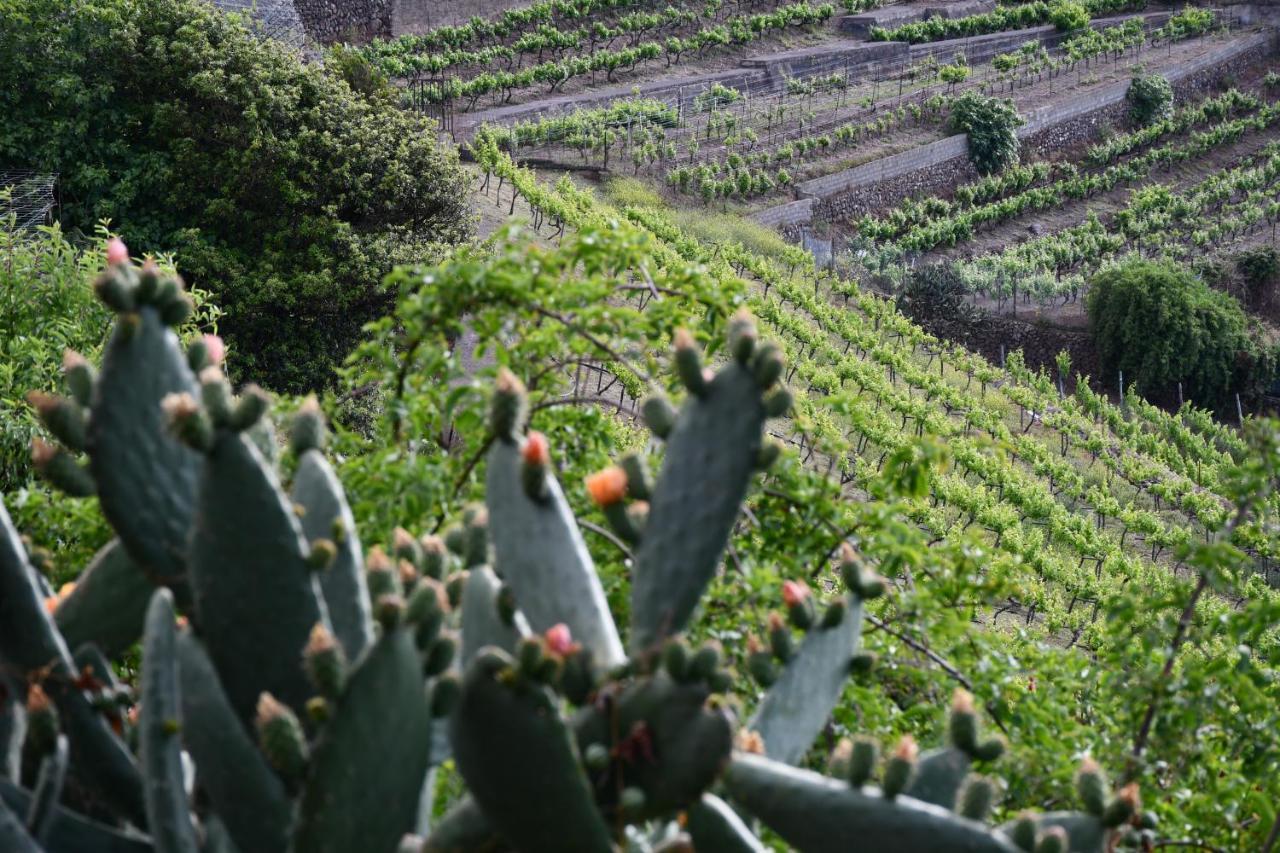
{"x": 1150, "y": 99}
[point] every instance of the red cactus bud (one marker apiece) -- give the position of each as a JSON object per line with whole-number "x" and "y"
{"x": 117, "y": 252}
{"x": 794, "y": 592}
{"x": 906, "y": 749}
{"x": 749, "y": 741}
{"x": 558, "y": 639}
{"x": 42, "y": 452}
{"x": 684, "y": 339}
{"x": 536, "y": 449}
{"x": 962, "y": 701}
{"x": 607, "y": 487}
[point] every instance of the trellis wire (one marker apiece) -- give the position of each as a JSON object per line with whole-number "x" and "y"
{"x": 30, "y": 200}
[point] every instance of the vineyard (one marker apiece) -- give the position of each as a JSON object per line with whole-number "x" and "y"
{"x": 809, "y": 384}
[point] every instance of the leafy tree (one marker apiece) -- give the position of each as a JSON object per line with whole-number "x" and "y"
{"x": 1068, "y": 16}
{"x": 992, "y": 125}
{"x": 1161, "y": 324}
{"x": 277, "y": 187}
{"x": 1150, "y": 99}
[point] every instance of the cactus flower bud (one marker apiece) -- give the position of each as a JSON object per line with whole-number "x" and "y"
{"x": 440, "y": 654}
{"x": 558, "y": 641}
{"x": 862, "y": 662}
{"x": 78, "y": 375}
{"x": 536, "y": 450}
{"x": 705, "y": 661}
{"x": 117, "y": 252}
{"x": 1023, "y": 832}
{"x": 405, "y": 547}
{"x": 214, "y": 348}
{"x": 428, "y": 606}
{"x": 280, "y": 736}
{"x": 536, "y": 459}
{"x": 760, "y": 663}
{"x": 742, "y": 335}
{"x": 1123, "y": 806}
{"x": 408, "y": 576}
{"x": 864, "y": 754}
{"x": 900, "y": 766}
{"x": 963, "y": 723}
{"x": 509, "y": 407}
{"x": 778, "y": 402}
{"x": 794, "y": 592}
{"x": 1092, "y": 787}
{"x": 325, "y": 662}
{"x": 445, "y": 694}
{"x": 834, "y": 615}
{"x": 659, "y": 414}
{"x": 768, "y": 364}
{"x": 322, "y": 554}
{"x": 780, "y": 638}
{"x": 434, "y": 554}
{"x": 188, "y": 420}
{"x": 675, "y": 657}
{"x": 307, "y": 429}
{"x": 639, "y": 480}
{"x": 61, "y": 469}
{"x": 689, "y": 363}
{"x": 61, "y": 416}
{"x": 607, "y": 487}
{"x": 250, "y": 407}
{"x": 388, "y": 610}
{"x": 799, "y": 602}
{"x": 379, "y": 575}
{"x": 747, "y": 740}
{"x": 977, "y": 796}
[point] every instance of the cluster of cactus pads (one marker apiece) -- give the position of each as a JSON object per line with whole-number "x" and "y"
{"x": 296, "y": 693}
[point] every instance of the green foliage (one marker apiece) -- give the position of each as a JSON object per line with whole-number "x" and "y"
{"x": 46, "y": 307}
{"x": 992, "y": 126}
{"x": 270, "y": 179}
{"x": 1150, "y": 99}
{"x": 1067, "y": 15}
{"x": 1160, "y": 324}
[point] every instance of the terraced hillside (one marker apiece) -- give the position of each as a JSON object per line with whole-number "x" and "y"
{"x": 1080, "y": 500}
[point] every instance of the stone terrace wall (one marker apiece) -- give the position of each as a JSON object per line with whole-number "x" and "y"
{"x": 935, "y": 167}
{"x": 418, "y": 16}
{"x": 329, "y": 21}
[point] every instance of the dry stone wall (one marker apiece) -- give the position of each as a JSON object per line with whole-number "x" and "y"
{"x": 930, "y": 169}
{"x": 328, "y": 21}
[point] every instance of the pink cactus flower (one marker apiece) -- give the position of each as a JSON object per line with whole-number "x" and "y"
{"x": 794, "y": 592}
{"x": 558, "y": 639}
{"x": 117, "y": 252}
{"x": 215, "y": 348}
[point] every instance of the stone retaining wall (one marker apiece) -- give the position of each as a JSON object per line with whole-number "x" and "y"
{"x": 933, "y": 168}
{"x": 418, "y": 16}
{"x": 328, "y": 21}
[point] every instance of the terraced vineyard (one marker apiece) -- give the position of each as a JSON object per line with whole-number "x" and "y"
{"x": 815, "y": 376}
{"x": 1084, "y": 506}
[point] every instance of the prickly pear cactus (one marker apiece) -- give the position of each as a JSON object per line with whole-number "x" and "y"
{"x": 314, "y": 687}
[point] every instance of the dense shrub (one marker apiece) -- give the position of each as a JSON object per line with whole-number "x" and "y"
{"x": 1161, "y": 324}
{"x": 1068, "y": 16}
{"x": 275, "y": 185}
{"x": 992, "y": 125}
{"x": 46, "y": 307}
{"x": 1150, "y": 99}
